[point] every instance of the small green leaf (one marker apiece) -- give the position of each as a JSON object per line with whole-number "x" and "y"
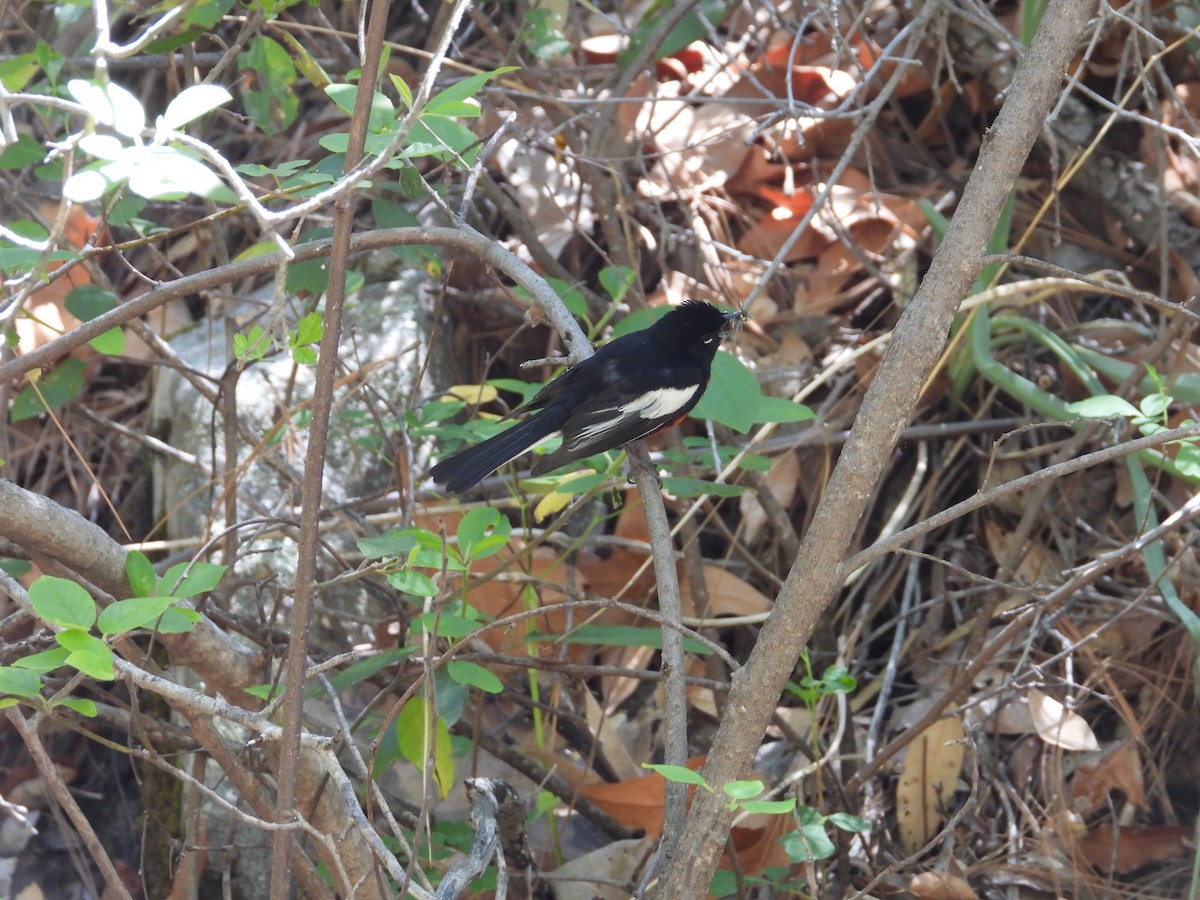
{"x": 1103, "y": 406}
{"x": 847, "y": 822}
{"x": 25, "y": 151}
{"x": 82, "y": 706}
{"x": 201, "y": 578}
{"x": 482, "y": 532}
{"x": 178, "y": 620}
{"x": 136, "y": 612}
{"x": 63, "y": 603}
{"x": 391, "y": 543}
{"x": 269, "y": 85}
{"x": 309, "y": 329}
{"x": 463, "y": 90}
{"x": 46, "y": 661}
{"x": 616, "y": 281}
{"x": 19, "y": 682}
{"x": 677, "y": 774}
{"x": 140, "y": 573}
{"x": 60, "y": 386}
{"x": 769, "y": 807}
{"x": 474, "y": 675}
{"x": 808, "y": 843}
{"x": 89, "y": 654}
{"x": 453, "y": 627}
{"x": 743, "y": 790}
{"x": 415, "y": 740}
{"x": 416, "y": 584}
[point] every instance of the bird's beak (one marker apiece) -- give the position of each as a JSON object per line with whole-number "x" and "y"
{"x": 734, "y": 322}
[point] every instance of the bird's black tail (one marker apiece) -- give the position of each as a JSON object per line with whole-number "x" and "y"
{"x": 467, "y": 468}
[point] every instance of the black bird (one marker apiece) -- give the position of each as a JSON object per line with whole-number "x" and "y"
{"x": 634, "y": 386}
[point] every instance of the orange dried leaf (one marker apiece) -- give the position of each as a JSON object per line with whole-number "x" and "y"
{"x": 1133, "y": 847}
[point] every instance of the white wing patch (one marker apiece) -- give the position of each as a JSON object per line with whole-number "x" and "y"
{"x": 661, "y": 402}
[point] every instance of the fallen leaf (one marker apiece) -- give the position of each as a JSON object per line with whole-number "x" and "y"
{"x": 940, "y": 886}
{"x": 928, "y": 779}
{"x": 1057, "y": 725}
{"x": 1130, "y": 848}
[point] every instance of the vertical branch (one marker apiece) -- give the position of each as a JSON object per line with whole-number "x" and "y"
{"x": 675, "y": 731}
{"x": 314, "y": 463}
{"x": 817, "y": 572}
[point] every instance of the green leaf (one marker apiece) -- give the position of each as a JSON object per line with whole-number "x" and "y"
{"x": 769, "y": 807}
{"x": 677, "y": 774}
{"x": 309, "y": 329}
{"x": 415, "y": 738}
{"x": 391, "y": 543}
{"x": 192, "y": 103}
{"x": 178, "y": 620}
{"x": 743, "y": 790}
{"x": 136, "y": 612}
{"x": 543, "y": 33}
{"x": 63, "y": 603}
{"x": 847, "y": 822}
{"x": 452, "y": 96}
{"x": 269, "y": 79}
{"x": 808, "y": 843}
{"x": 18, "y": 71}
{"x": 482, "y": 532}
{"x": 93, "y": 663}
{"x": 17, "y": 568}
{"x": 140, "y": 573}
{"x": 780, "y": 409}
{"x": 251, "y": 346}
{"x": 474, "y": 675}
{"x": 693, "y": 26}
{"x": 403, "y": 90}
{"x": 81, "y": 705}
{"x": 25, "y": 151}
{"x": 1104, "y": 406}
{"x": 383, "y": 115}
{"x": 616, "y": 281}
{"x": 19, "y": 682}
{"x": 60, "y": 386}
{"x": 200, "y": 579}
{"x": 46, "y": 661}
{"x": 416, "y": 584}
{"x": 89, "y": 654}
{"x": 452, "y": 627}
{"x": 734, "y": 398}
{"x": 443, "y": 139}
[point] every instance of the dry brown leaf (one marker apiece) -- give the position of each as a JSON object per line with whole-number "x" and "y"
{"x": 601, "y": 874}
{"x": 1132, "y": 847}
{"x": 638, "y": 802}
{"x": 940, "y": 886}
{"x": 1057, "y": 725}
{"x": 728, "y": 595}
{"x": 756, "y": 840}
{"x": 781, "y": 480}
{"x": 927, "y": 781}
{"x": 604, "y": 727}
{"x": 1120, "y": 769}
